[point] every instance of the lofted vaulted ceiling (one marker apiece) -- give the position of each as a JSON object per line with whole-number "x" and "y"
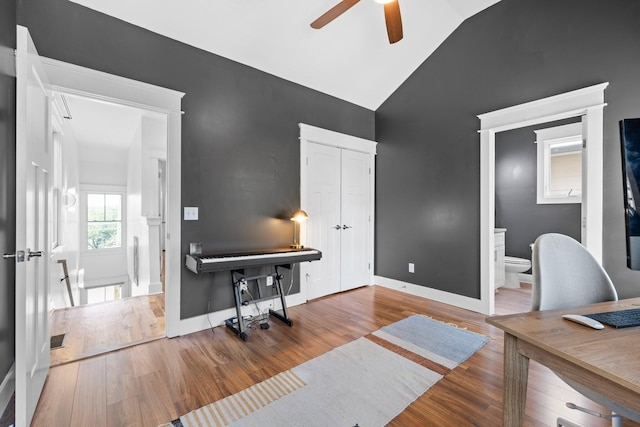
{"x": 350, "y": 58}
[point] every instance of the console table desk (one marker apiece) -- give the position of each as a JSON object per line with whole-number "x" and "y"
{"x": 606, "y": 360}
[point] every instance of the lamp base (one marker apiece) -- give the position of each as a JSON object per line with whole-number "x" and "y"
{"x": 296, "y": 246}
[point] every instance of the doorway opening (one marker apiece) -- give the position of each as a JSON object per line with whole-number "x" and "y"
{"x": 538, "y": 182}
{"x": 123, "y": 246}
{"x": 108, "y": 162}
{"x": 112, "y": 160}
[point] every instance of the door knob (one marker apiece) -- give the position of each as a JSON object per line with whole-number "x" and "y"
{"x": 344, "y": 227}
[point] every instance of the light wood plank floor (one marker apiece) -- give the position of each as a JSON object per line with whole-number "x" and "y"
{"x": 156, "y": 382}
{"x": 513, "y": 300}
{"x": 100, "y": 328}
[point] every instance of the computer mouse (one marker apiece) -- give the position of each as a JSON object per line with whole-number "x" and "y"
{"x": 584, "y": 320}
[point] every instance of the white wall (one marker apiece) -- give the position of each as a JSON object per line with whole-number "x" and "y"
{"x": 69, "y": 232}
{"x": 143, "y": 211}
{"x": 154, "y": 147}
{"x": 103, "y": 166}
{"x": 136, "y": 226}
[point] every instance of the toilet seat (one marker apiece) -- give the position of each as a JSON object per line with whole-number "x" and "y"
{"x": 516, "y": 261}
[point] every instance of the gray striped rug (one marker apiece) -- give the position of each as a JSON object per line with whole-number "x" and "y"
{"x": 367, "y": 382}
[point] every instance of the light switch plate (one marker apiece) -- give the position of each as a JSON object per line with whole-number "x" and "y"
{"x": 190, "y": 213}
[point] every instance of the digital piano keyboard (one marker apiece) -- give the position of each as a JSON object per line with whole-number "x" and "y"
{"x": 230, "y": 261}
{"x": 237, "y": 262}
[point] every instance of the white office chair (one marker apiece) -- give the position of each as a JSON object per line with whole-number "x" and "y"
{"x": 565, "y": 274}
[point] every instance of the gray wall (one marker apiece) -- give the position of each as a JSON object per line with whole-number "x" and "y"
{"x": 516, "y": 204}
{"x": 240, "y": 148}
{"x": 427, "y": 196}
{"x": 7, "y": 183}
{"x": 240, "y": 156}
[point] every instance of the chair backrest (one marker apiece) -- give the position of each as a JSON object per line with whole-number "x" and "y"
{"x": 565, "y": 274}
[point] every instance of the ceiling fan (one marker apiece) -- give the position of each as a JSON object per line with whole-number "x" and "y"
{"x": 391, "y": 16}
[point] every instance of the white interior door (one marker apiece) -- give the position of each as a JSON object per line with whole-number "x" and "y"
{"x": 356, "y": 219}
{"x": 323, "y": 226}
{"x": 32, "y": 233}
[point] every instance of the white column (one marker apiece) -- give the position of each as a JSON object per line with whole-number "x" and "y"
{"x": 153, "y": 224}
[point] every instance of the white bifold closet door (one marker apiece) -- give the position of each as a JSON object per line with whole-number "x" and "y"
{"x": 339, "y": 224}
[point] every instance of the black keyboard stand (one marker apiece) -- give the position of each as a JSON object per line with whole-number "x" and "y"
{"x": 239, "y": 281}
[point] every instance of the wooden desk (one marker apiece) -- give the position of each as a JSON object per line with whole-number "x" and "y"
{"x": 606, "y": 360}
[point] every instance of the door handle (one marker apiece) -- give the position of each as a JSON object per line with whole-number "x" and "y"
{"x": 18, "y": 255}
{"x": 344, "y": 227}
{"x": 337, "y": 227}
{"x": 34, "y": 254}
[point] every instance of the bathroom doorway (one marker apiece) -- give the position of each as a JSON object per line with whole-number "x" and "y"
{"x": 538, "y": 183}
{"x": 588, "y": 104}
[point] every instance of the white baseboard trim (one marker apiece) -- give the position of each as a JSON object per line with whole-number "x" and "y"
{"x": 7, "y": 387}
{"x": 200, "y": 323}
{"x": 432, "y": 294}
{"x": 155, "y": 288}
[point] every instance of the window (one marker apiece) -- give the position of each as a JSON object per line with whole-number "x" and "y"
{"x": 104, "y": 221}
{"x": 560, "y": 164}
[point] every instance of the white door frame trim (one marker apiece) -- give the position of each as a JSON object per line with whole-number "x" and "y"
{"x": 73, "y": 79}
{"x": 587, "y": 102}
{"x": 318, "y": 135}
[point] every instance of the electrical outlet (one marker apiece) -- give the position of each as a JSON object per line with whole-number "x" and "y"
{"x": 269, "y": 280}
{"x": 190, "y": 213}
{"x": 412, "y": 268}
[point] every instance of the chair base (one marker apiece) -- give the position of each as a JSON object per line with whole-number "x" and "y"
{"x": 616, "y": 420}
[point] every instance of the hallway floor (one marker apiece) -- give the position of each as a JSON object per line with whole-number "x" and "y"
{"x": 100, "y": 328}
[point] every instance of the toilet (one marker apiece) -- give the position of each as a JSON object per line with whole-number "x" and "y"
{"x": 513, "y": 267}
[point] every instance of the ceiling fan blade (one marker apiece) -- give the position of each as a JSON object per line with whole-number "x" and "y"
{"x": 333, "y": 13}
{"x": 393, "y": 20}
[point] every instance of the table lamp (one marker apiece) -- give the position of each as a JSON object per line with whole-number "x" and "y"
{"x": 297, "y": 217}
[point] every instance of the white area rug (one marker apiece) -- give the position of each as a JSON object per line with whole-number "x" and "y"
{"x": 367, "y": 382}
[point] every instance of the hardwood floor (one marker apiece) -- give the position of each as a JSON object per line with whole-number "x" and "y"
{"x": 513, "y": 300}
{"x": 100, "y": 328}
{"x": 156, "y": 382}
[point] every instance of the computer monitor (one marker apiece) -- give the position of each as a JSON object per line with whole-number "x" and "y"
{"x": 630, "y": 142}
